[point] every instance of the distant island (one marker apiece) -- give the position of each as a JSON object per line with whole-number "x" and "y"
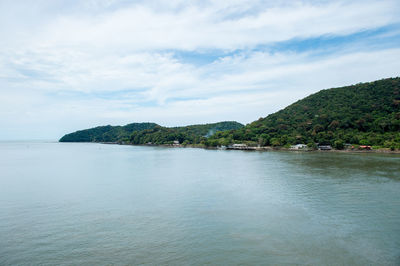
{"x": 361, "y": 116}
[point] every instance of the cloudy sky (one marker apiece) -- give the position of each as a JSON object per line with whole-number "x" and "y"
{"x": 68, "y": 64}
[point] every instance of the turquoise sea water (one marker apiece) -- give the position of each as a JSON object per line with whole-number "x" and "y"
{"x": 96, "y": 204}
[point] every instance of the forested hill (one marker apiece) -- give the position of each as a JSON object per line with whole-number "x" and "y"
{"x": 149, "y": 132}
{"x": 361, "y": 114}
{"x": 365, "y": 113}
{"x": 106, "y": 133}
{"x": 194, "y": 134}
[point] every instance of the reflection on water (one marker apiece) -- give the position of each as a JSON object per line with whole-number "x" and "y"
{"x": 107, "y": 204}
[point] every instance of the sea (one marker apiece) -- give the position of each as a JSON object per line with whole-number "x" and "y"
{"x": 99, "y": 204}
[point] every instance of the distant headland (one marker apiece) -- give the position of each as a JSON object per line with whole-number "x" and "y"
{"x": 365, "y": 116}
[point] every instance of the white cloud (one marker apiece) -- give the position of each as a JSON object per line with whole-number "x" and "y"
{"x": 64, "y": 67}
{"x": 220, "y": 25}
{"x": 251, "y": 91}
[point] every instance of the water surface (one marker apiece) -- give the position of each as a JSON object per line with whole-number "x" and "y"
{"x": 94, "y": 204}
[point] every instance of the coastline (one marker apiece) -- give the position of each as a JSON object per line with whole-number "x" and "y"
{"x": 263, "y": 148}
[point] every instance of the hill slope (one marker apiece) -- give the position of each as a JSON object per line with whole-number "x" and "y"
{"x": 365, "y": 113}
{"x": 106, "y": 133}
{"x": 193, "y": 134}
{"x": 141, "y": 133}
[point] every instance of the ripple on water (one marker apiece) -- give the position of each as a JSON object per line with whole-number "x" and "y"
{"x": 85, "y": 204}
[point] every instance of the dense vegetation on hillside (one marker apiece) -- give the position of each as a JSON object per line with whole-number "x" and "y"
{"x": 194, "y": 134}
{"x": 106, "y": 133}
{"x": 365, "y": 114}
{"x": 142, "y": 133}
{"x": 361, "y": 114}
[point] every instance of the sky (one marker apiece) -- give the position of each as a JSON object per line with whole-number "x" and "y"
{"x": 67, "y": 65}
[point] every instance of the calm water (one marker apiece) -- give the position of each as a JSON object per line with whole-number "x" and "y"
{"x": 94, "y": 204}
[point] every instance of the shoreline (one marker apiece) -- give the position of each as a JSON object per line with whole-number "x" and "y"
{"x": 249, "y": 148}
